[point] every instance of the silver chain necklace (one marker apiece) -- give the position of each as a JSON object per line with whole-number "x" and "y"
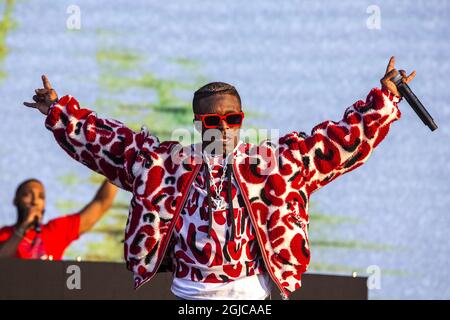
{"x": 219, "y": 201}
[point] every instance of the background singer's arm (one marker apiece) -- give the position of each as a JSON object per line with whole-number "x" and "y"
{"x": 8, "y": 248}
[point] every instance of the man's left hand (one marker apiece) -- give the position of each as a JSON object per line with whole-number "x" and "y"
{"x": 387, "y": 83}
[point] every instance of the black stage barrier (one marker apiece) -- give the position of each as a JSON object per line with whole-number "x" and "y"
{"x": 35, "y": 279}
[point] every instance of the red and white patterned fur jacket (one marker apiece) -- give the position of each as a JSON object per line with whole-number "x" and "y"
{"x": 159, "y": 174}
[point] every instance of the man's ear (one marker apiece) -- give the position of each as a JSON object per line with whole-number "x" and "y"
{"x": 198, "y": 126}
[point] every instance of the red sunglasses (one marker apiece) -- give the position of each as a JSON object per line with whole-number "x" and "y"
{"x": 212, "y": 120}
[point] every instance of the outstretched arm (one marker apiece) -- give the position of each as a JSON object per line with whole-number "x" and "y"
{"x": 105, "y": 146}
{"x": 334, "y": 148}
{"x": 95, "y": 209}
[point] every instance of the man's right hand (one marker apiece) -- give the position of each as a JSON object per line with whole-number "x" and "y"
{"x": 28, "y": 222}
{"x": 44, "y": 97}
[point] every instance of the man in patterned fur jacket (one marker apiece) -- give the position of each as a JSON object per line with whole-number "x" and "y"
{"x": 231, "y": 216}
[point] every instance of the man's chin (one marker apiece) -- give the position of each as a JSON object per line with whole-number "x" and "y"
{"x": 228, "y": 146}
{"x": 221, "y": 146}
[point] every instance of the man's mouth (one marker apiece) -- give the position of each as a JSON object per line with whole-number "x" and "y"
{"x": 32, "y": 208}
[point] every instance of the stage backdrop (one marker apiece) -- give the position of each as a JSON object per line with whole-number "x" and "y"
{"x": 295, "y": 64}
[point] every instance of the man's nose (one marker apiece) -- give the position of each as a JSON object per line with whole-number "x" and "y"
{"x": 223, "y": 125}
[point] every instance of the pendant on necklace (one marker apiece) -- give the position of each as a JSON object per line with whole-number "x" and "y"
{"x": 219, "y": 204}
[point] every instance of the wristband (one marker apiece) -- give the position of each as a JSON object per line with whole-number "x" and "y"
{"x": 20, "y": 232}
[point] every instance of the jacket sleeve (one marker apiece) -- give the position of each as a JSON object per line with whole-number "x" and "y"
{"x": 105, "y": 146}
{"x": 335, "y": 148}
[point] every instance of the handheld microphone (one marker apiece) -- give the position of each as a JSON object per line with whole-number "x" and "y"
{"x": 37, "y": 225}
{"x": 414, "y": 102}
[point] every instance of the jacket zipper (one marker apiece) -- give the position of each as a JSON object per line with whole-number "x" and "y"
{"x": 283, "y": 293}
{"x": 177, "y": 213}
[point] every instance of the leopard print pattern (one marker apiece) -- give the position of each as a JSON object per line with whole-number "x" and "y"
{"x": 276, "y": 178}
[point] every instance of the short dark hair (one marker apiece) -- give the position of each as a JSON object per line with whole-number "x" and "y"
{"x": 24, "y": 183}
{"x": 212, "y": 89}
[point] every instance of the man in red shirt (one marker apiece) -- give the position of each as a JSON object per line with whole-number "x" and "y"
{"x": 27, "y": 239}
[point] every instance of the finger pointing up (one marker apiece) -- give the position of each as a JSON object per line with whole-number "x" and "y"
{"x": 390, "y": 64}
{"x": 46, "y": 83}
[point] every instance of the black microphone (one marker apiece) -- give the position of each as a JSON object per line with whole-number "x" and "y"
{"x": 37, "y": 225}
{"x": 414, "y": 102}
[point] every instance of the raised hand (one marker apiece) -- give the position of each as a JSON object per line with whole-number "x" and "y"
{"x": 44, "y": 97}
{"x": 386, "y": 82}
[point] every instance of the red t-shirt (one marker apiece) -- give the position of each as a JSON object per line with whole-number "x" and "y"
{"x": 54, "y": 238}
